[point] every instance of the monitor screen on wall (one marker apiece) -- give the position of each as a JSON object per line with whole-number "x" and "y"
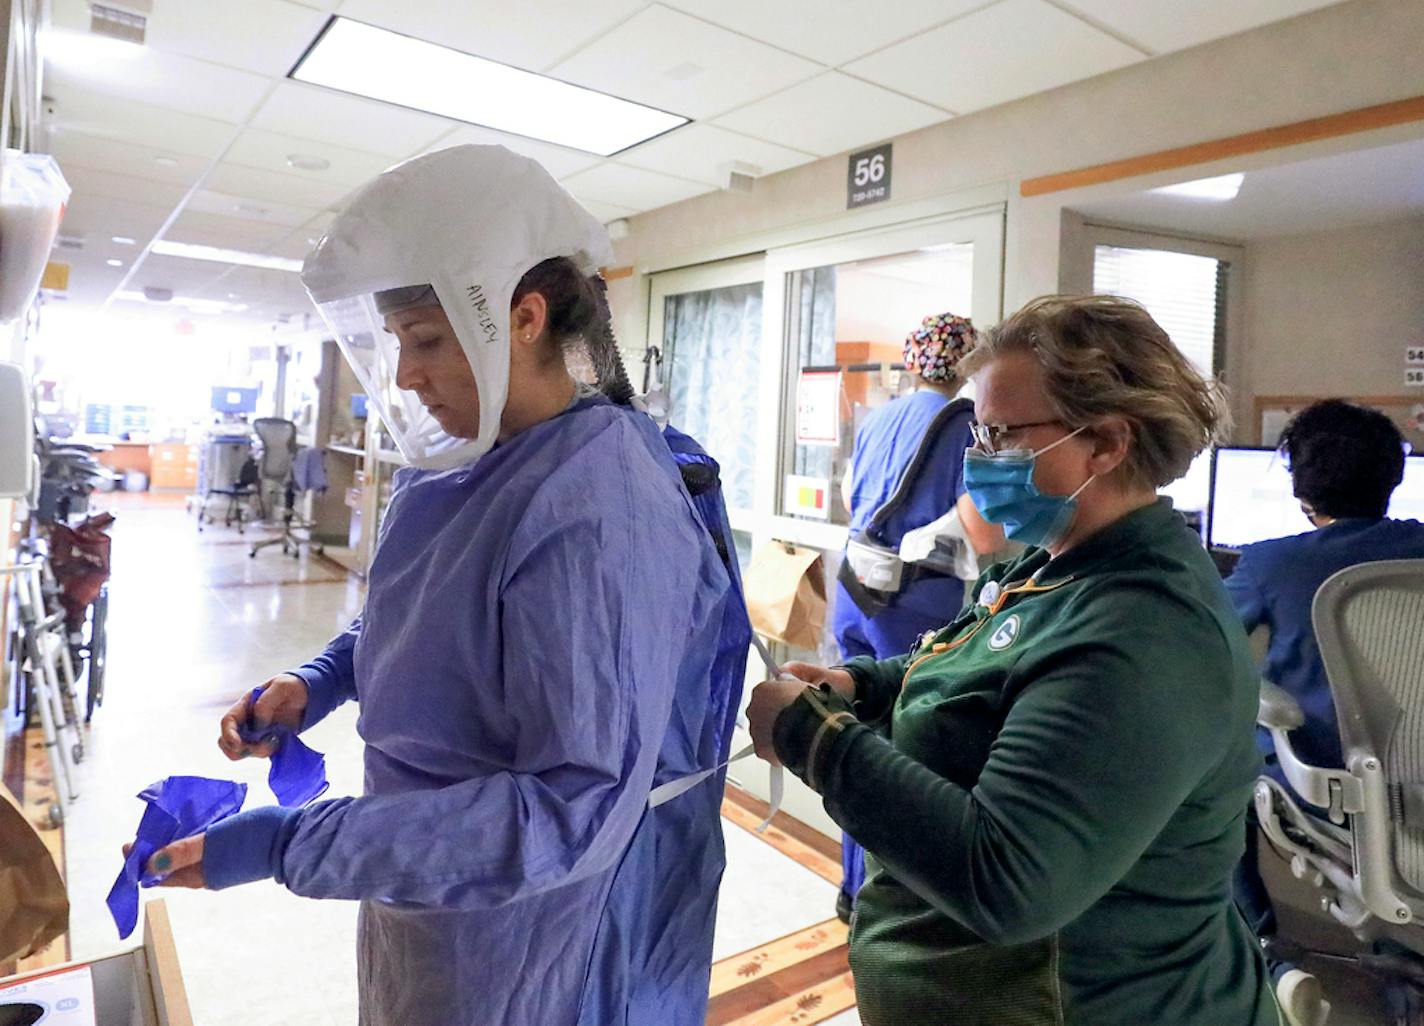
{"x": 234, "y": 400}
{"x": 1252, "y": 498}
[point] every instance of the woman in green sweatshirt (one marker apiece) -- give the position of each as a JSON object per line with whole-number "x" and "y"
{"x": 1052, "y": 788}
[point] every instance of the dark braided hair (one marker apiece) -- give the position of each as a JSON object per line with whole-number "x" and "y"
{"x": 578, "y": 316}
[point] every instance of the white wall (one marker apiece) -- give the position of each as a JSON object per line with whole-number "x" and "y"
{"x": 1338, "y": 59}
{"x": 1329, "y": 314}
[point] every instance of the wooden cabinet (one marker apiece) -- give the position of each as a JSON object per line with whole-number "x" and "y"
{"x": 174, "y": 466}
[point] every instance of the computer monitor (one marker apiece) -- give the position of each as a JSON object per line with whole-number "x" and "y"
{"x": 235, "y": 400}
{"x": 1253, "y": 499}
{"x": 1191, "y": 493}
{"x": 1407, "y": 502}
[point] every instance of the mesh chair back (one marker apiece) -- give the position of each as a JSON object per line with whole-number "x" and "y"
{"x": 1369, "y": 621}
{"x": 279, "y": 444}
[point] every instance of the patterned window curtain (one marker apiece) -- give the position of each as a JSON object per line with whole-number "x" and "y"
{"x": 816, "y": 347}
{"x": 713, "y": 339}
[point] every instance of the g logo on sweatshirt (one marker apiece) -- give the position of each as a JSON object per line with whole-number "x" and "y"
{"x": 1006, "y": 634}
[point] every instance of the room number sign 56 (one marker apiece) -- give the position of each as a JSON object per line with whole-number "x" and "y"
{"x": 868, "y": 177}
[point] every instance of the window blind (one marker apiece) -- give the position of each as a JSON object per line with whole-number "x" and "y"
{"x": 1180, "y": 290}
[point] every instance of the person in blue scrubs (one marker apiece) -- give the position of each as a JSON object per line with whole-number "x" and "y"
{"x": 886, "y": 443}
{"x": 536, "y": 652}
{"x": 1345, "y": 463}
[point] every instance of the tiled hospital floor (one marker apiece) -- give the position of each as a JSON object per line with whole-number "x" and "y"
{"x": 194, "y": 621}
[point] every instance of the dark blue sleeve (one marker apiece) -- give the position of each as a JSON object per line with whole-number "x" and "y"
{"x": 1244, "y": 587}
{"x": 330, "y": 677}
{"x": 956, "y": 439}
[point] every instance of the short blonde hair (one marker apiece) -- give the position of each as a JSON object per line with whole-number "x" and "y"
{"x": 1105, "y": 356}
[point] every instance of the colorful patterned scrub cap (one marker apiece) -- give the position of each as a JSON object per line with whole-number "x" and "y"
{"x": 935, "y": 348}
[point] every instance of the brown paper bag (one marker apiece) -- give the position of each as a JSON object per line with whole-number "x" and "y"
{"x": 34, "y": 908}
{"x": 786, "y": 594}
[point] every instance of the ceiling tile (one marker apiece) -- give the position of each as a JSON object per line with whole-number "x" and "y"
{"x": 293, "y": 247}
{"x": 631, "y": 187}
{"x": 311, "y": 112}
{"x": 829, "y": 31}
{"x": 559, "y": 161}
{"x": 90, "y": 282}
{"x": 296, "y": 243}
{"x": 270, "y": 187}
{"x": 705, "y": 152}
{"x": 142, "y": 75}
{"x": 207, "y": 229}
{"x": 185, "y": 277}
{"x": 97, "y": 219}
{"x": 280, "y": 291}
{"x": 74, "y": 149}
{"x": 265, "y": 36}
{"x": 314, "y": 228}
{"x": 1163, "y": 28}
{"x": 209, "y": 202}
{"x": 515, "y": 34}
{"x": 268, "y": 151}
{"x": 74, "y": 107}
{"x": 863, "y": 113}
{"x": 1013, "y": 49}
{"x": 92, "y": 182}
{"x": 606, "y": 212}
{"x": 706, "y": 70}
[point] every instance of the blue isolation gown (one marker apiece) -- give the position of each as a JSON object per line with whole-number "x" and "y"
{"x": 884, "y": 446}
{"x": 535, "y": 655}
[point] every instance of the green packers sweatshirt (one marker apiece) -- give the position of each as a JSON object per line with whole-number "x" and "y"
{"x": 1052, "y": 791}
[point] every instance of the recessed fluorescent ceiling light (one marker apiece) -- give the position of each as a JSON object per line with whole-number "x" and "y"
{"x": 1223, "y": 187}
{"x": 214, "y": 306}
{"x": 368, "y": 61}
{"x": 163, "y": 247}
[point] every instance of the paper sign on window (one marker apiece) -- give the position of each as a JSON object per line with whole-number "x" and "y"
{"x": 818, "y": 408}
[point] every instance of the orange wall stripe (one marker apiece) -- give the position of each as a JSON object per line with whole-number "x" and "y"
{"x": 1364, "y": 119}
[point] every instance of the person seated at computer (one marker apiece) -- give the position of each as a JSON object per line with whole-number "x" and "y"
{"x": 1345, "y": 463}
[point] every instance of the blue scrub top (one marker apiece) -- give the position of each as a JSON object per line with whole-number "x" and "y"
{"x": 1274, "y": 585}
{"x": 884, "y": 446}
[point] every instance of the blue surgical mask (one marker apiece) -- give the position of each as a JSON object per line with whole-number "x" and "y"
{"x": 1002, "y": 489}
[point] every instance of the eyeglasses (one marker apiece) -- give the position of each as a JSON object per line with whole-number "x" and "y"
{"x": 989, "y": 437}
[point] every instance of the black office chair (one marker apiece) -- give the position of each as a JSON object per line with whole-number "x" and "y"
{"x": 239, "y": 489}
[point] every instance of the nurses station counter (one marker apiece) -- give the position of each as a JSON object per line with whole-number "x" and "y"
{"x": 139, "y": 987}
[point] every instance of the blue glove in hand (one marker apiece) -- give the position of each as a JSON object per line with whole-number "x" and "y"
{"x": 298, "y": 774}
{"x": 178, "y": 807}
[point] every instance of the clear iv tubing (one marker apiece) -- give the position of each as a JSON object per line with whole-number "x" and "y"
{"x": 667, "y": 792}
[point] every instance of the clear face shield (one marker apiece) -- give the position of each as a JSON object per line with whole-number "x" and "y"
{"x": 462, "y": 225}
{"x": 443, "y": 402}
